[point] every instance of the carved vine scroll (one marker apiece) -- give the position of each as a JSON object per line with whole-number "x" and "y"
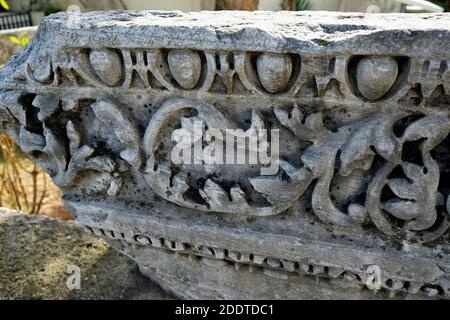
{"x": 395, "y": 145}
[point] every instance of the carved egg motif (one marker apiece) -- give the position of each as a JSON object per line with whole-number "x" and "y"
{"x": 274, "y": 71}
{"x": 186, "y": 67}
{"x": 375, "y": 76}
{"x": 41, "y": 68}
{"x": 107, "y": 64}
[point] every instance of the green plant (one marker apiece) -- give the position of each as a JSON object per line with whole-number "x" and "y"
{"x": 444, "y": 4}
{"x": 20, "y": 41}
{"x": 43, "y": 5}
{"x": 301, "y": 5}
{"x": 4, "y": 4}
{"x": 37, "y": 5}
{"x": 23, "y": 185}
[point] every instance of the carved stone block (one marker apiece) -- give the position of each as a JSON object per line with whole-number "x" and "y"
{"x": 352, "y": 195}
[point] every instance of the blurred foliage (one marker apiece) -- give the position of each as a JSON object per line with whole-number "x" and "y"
{"x": 23, "y": 185}
{"x": 43, "y": 5}
{"x": 247, "y": 5}
{"x": 296, "y": 5}
{"x": 444, "y": 4}
{"x": 302, "y": 5}
{"x": 35, "y": 5}
{"x": 22, "y": 40}
{"x": 4, "y": 4}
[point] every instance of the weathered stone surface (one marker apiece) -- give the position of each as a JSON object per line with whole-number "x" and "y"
{"x": 360, "y": 104}
{"x": 375, "y": 76}
{"x": 37, "y": 252}
{"x": 274, "y": 71}
{"x": 185, "y": 66}
{"x": 104, "y": 63}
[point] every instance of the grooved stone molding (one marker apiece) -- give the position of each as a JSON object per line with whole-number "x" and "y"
{"x": 360, "y": 104}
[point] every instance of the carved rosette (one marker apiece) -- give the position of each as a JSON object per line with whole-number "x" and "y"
{"x": 364, "y": 136}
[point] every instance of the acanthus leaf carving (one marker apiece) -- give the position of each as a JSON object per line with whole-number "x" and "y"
{"x": 331, "y": 154}
{"x": 30, "y": 141}
{"x": 417, "y": 199}
{"x": 309, "y": 129}
{"x": 417, "y": 194}
{"x": 376, "y": 134}
{"x": 362, "y": 167}
{"x": 124, "y": 128}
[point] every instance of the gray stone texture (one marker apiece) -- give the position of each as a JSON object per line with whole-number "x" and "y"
{"x": 361, "y": 103}
{"x": 37, "y": 253}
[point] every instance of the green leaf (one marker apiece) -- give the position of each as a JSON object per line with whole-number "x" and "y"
{"x": 24, "y": 41}
{"x": 301, "y": 5}
{"x": 14, "y": 40}
{"x": 4, "y": 4}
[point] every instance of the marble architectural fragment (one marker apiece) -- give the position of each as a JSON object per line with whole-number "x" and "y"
{"x": 357, "y": 107}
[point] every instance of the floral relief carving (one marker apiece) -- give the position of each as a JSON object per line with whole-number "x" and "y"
{"x": 285, "y": 144}
{"x": 414, "y": 207}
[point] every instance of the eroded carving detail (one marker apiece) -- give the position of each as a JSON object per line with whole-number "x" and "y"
{"x": 350, "y": 148}
{"x": 271, "y": 266}
{"x": 364, "y": 133}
